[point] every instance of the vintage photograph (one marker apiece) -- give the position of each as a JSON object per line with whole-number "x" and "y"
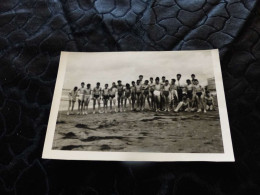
{"x": 118, "y": 104}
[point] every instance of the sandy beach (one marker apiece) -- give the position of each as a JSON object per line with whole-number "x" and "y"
{"x": 140, "y": 132}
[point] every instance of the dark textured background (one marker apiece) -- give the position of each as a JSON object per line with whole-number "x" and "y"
{"x": 32, "y": 34}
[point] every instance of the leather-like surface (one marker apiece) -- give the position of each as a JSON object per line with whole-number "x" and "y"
{"x": 32, "y": 34}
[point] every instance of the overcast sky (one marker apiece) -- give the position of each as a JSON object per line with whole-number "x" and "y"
{"x": 127, "y": 66}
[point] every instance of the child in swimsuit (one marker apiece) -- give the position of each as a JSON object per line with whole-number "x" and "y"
{"x": 194, "y": 103}
{"x": 157, "y": 93}
{"x": 199, "y": 91}
{"x": 174, "y": 94}
{"x": 145, "y": 94}
{"x": 133, "y": 95}
{"x": 87, "y": 97}
{"x": 112, "y": 95}
{"x": 96, "y": 97}
{"x": 189, "y": 89}
{"x": 72, "y": 99}
{"x": 184, "y": 105}
{"x": 120, "y": 96}
{"x": 138, "y": 88}
{"x": 105, "y": 96}
{"x": 151, "y": 96}
{"x": 162, "y": 103}
{"x": 81, "y": 93}
{"x": 127, "y": 95}
{"x": 209, "y": 101}
{"x": 179, "y": 87}
{"x": 166, "y": 95}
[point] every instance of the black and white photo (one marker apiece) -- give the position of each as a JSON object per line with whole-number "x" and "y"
{"x": 139, "y": 106}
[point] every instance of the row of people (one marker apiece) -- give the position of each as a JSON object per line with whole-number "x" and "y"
{"x": 160, "y": 96}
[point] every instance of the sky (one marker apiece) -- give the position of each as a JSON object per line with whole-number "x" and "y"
{"x": 108, "y": 67}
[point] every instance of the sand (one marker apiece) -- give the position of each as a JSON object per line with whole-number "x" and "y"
{"x": 140, "y": 132}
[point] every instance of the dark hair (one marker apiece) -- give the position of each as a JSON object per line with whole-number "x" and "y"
{"x": 151, "y": 77}
{"x": 174, "y": 80}
{"x": 88, "y": 85}
{"x": 138, "y": 80}
{"x": 75, "y": 88}
{"x": 207, "y": 92}
{"x": 127, "y": 85}
{"x": 188, "y": 81}
{"x": 141, "y": 76}
{"x": 98, "y": 83}
{"x": 163, "y": 76}
{"x": 106, "y": 84}
{"x": 193, "y": 75}
{"x": 166, "y": 81}
{"x": 82, "y": 83}
{"x": 133, "y": 82}
{"x": 195, "y": 79}
{"x": 178, "y": 74}
{"x": 146, "y": 81}
{"x": 119, "y": 81}
{"x": 157, "y": 79}
{"x": 113, "y": 83}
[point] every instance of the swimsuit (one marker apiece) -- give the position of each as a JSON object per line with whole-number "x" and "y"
{"x": 189, "y": 94}
{"x": 113, "y": 92}
{"x": 133, "y": 90}
{"x": 82, "y": 92}
{"x": 127, "y": 93}
{"x": 96, "y": 92}
{"x": 166, "y": 90}
{"x": 106, "y": 97}
{"x": 145, "y": 89}
{"x": 157, "y": 90}
{"x": 106, "y": 94}
{"x": 138, "y": 90}
{"x": 88, "y": 94}
{"x": 199, "y": 94}
{"x": 198, "y": 90}
{"x": 120, "y": 90}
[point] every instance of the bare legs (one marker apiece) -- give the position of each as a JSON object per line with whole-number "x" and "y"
{"x": 94, "y": 104}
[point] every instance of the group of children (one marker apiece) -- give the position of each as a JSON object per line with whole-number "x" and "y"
{"x": 160, "y": 95}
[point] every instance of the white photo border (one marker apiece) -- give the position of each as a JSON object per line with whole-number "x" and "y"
{"x": 227, "y": 156}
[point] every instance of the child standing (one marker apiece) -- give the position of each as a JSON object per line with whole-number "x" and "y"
{"x": 127, "y": 95}
{"x": 157, "y": 94}
{"x": 199, "y": 91}
{"x": 120, "y": 97}
{"x": 145, "y": 94}
{"x": 81, "y": 93}
{"x": 112, "y": 96}
{"x": 87, "y": 98}
{"x": 105, "y": 96}
{"x": 133, "y": 95}
{"x": 96, "y": 97}
{"x": 72, "y": 99}
{"x": 138, "y": 94}
{"x": 166, "y": 95}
